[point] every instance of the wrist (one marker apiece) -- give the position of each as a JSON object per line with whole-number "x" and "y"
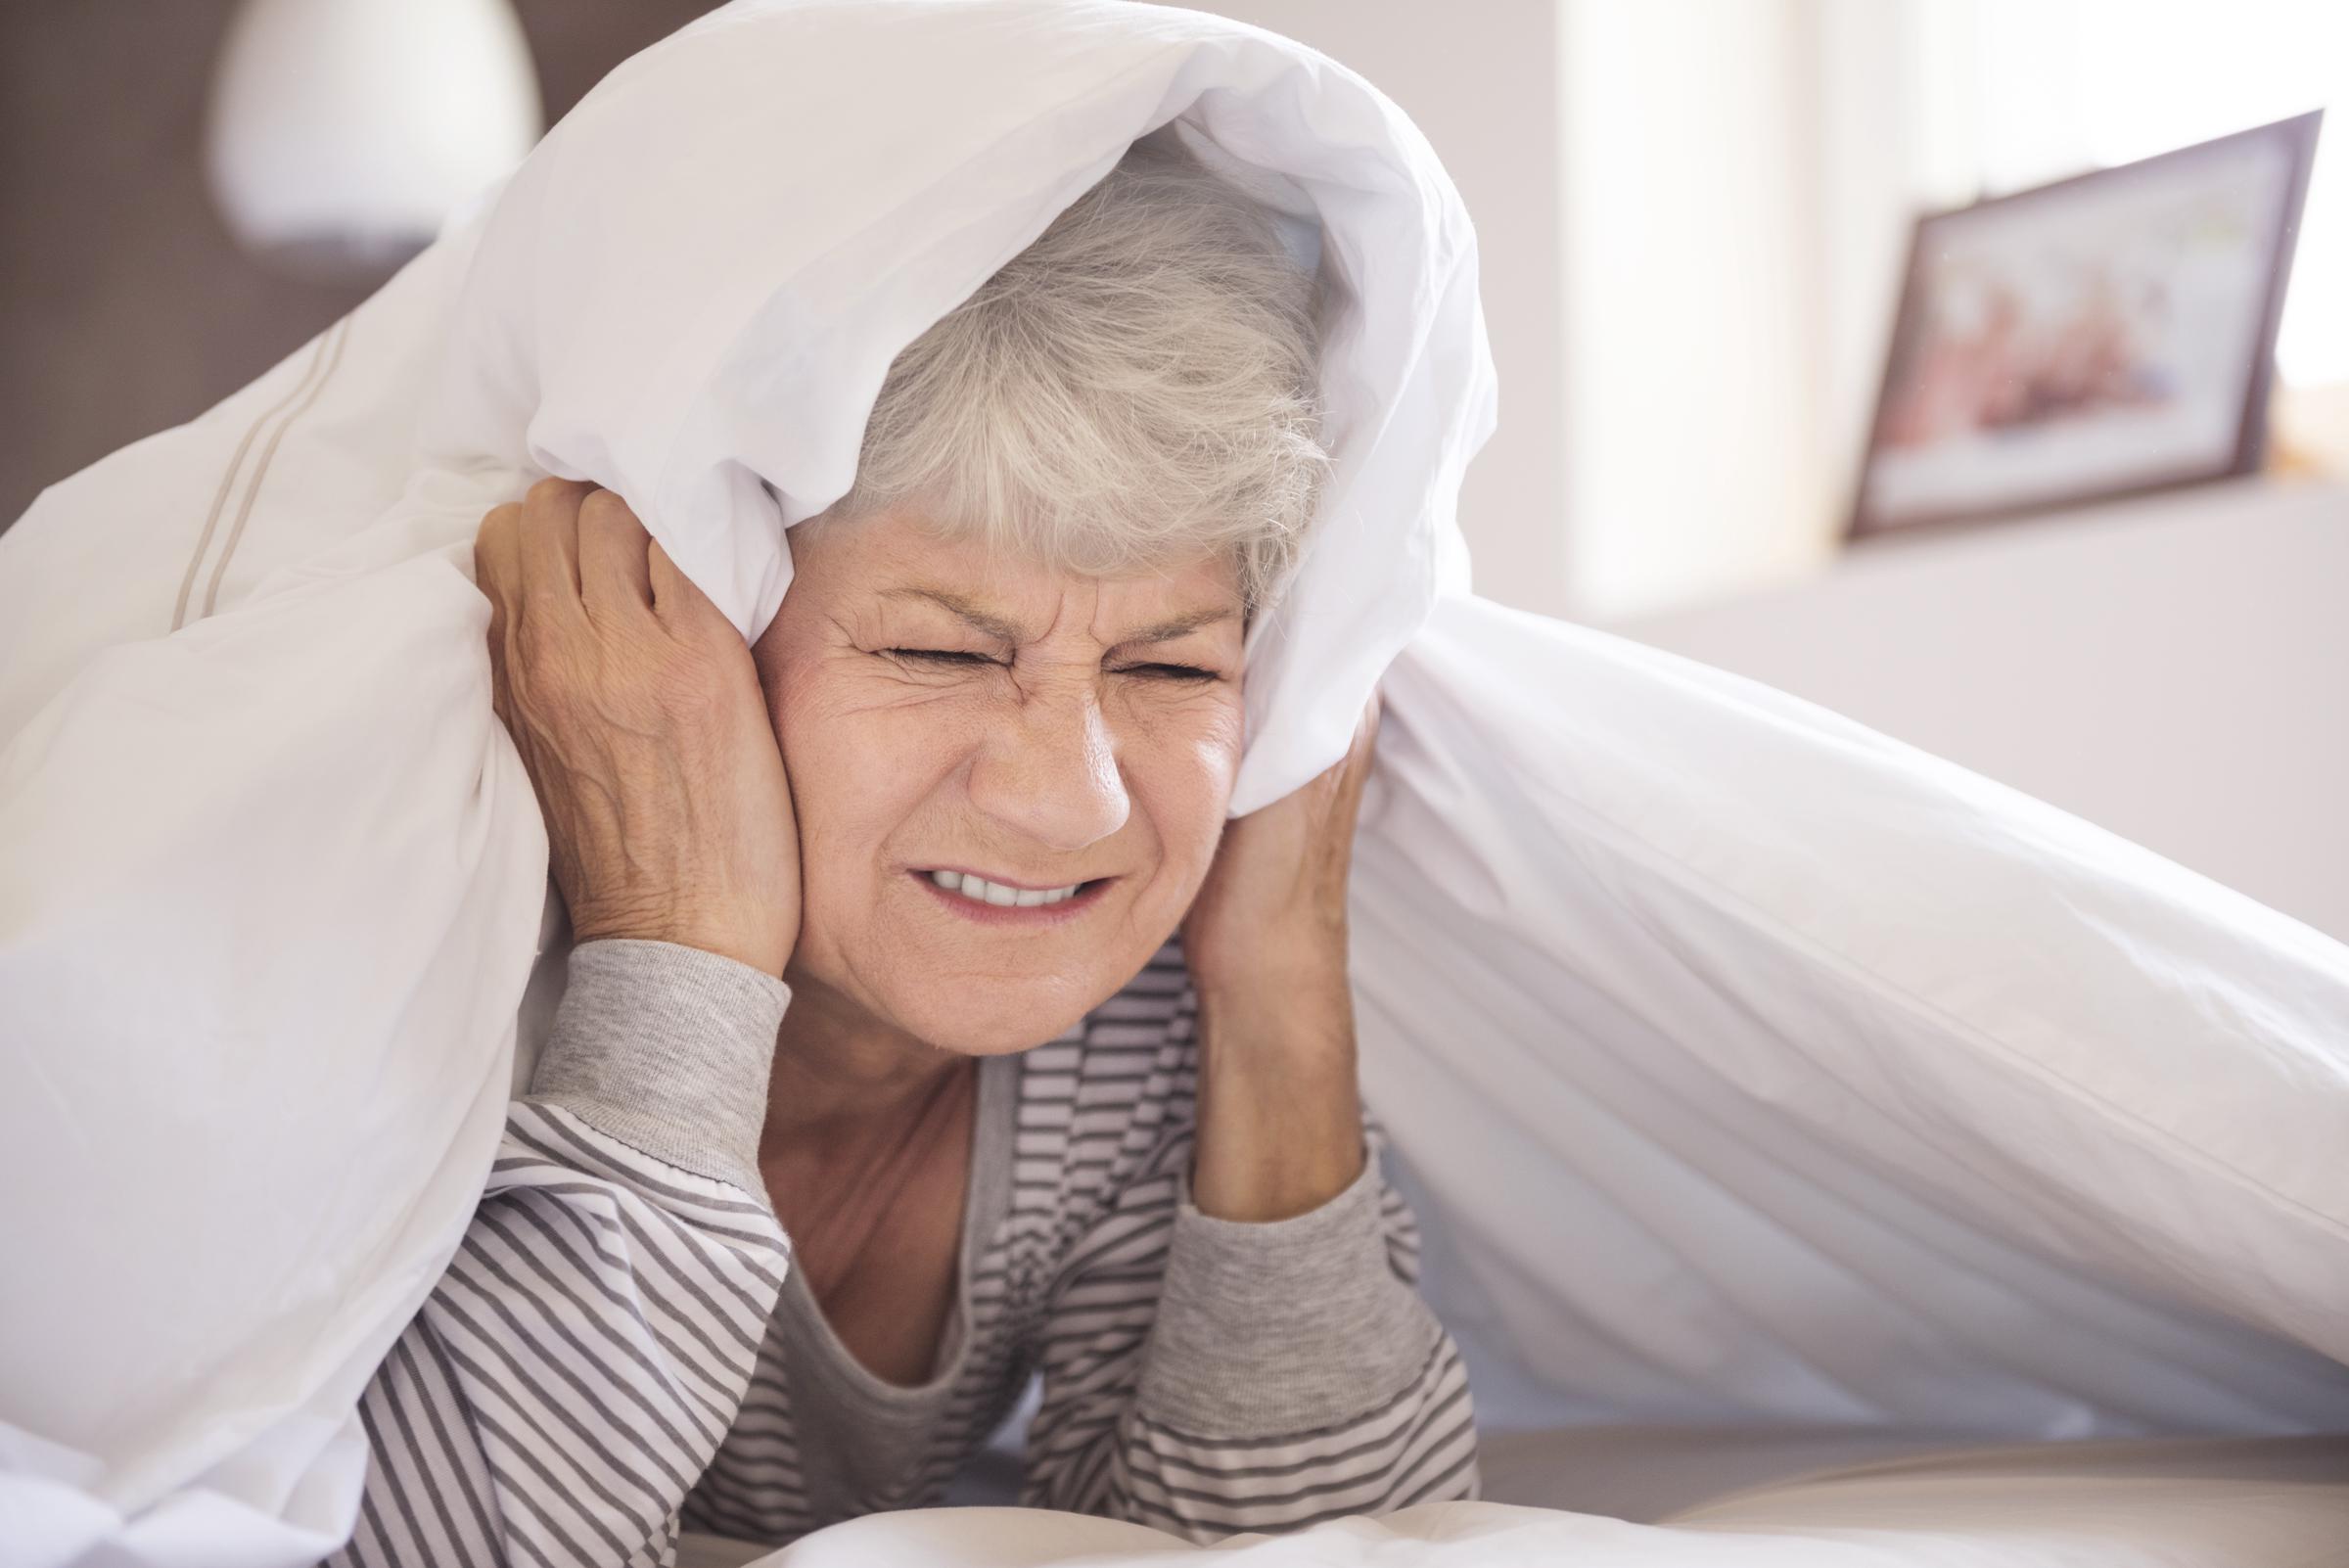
{"x": 763, "y": 944}
{"x": 1255, "y": 1170}
{"x": 1279, "y": 1105}
{"x": 1297, "y": 1012}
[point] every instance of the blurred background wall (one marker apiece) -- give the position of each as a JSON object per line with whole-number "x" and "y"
{"x": 125, "y": 307}
{"x": 1741, "y": 181}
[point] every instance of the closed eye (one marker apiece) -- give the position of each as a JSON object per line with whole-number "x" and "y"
{"x": 955, "y": 656}
{"x": 944, "y": 655}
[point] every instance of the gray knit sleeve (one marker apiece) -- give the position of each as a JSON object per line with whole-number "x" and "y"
{"x": 668, "y": 1048}
{"x": 1280, "y": 1326}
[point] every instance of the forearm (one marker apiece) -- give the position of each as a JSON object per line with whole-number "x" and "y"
{"x": 1287, "y": 1371}
{"x": 1293, "y": 1372}
{"x": 1280, "y": 1129}
{"x": 575, "y": 1366}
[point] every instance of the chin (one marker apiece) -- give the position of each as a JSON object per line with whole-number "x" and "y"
{"x": 1002, "y": 1017}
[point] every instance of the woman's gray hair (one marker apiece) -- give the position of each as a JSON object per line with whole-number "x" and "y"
{"x": 1137, "y": 389}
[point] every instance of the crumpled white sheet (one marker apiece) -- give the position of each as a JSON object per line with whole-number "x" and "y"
{"x": 1745, "y": 1064}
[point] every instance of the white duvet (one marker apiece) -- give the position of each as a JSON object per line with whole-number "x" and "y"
{"x": 1744, "y": 1065}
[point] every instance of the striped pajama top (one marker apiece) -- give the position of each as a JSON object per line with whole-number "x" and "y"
{"x": 619, "y": 1351}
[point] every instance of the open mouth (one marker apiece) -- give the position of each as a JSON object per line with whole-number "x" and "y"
{"x": 967, "y": 893}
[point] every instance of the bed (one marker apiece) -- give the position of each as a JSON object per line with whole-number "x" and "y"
{"x": 1650, "y": 1498}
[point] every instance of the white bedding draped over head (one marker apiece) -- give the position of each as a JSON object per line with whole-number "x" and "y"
{"x": 1745, "y": 1064}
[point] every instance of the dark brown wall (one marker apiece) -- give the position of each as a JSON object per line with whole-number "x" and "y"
{"x": 125, "y": 306}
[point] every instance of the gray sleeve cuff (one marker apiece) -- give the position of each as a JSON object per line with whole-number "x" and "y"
{"x": 667, "y": 1048}
{"x": 1265, "y": 1329}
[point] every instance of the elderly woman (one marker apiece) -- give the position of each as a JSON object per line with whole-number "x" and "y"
{"x": 927, "y": 1029}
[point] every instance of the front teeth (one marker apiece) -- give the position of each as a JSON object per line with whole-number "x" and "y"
{"x": 982, "y": 890}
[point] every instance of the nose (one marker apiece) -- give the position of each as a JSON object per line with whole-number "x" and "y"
{"x": 1049, "y": 772}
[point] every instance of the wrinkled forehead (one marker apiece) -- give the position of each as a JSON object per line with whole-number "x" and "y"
{"x": 890, "y": 565}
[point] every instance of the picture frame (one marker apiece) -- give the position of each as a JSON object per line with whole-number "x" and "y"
{"x": 2106, "y": 335}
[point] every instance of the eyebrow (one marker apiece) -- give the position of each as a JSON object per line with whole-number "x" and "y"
{"x": 993, "y": 626}
{"x": 1003, "y": 630}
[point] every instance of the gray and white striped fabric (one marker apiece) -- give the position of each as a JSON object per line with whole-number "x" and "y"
{"x": 604, "y": 1364}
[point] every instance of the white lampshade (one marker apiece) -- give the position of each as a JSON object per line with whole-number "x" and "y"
{"x": 343, "y": 132}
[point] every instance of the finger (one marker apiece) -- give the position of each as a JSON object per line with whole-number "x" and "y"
{"x": 677, "y": 600}
{"x": 614, "y": 578}
{"x": 1358, "y": 745}
{"x": 496, "y": 572}
{"x": 1355, "y": 768}
{"x": 1369, "y": 767}
{"x": 496, "y": 554}
{"x": 550, "y": 547}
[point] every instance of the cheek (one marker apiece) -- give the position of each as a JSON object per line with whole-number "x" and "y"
{"x": 1182, "y": 774}
{"x": 860, "y": 765}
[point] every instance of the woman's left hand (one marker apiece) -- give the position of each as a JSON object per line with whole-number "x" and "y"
{"x": 1279, "y": 1107}
{"x": 1271, "y": 912}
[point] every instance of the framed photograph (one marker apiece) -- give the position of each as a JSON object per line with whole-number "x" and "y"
{"x": 2106, "y": 335}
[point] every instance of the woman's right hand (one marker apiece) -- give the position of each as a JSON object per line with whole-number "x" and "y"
{"x": 637, "y": 710}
